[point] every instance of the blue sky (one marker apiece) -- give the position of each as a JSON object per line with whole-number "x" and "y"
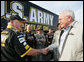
{"x": 58, "y": 6}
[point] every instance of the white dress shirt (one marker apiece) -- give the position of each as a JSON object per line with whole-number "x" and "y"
{"x": 62, "y": 39}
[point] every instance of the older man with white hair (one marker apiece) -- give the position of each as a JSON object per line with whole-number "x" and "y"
{"x": 71, "y": 41}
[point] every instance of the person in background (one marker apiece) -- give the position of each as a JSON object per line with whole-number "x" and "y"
{"x": 49, "y": 37}
{"x": 40, "y": 38}
{"x": 55, "y": 42}
{"x": 15, "y": 45}
{"x": 35, "y": 30}
{"x": 30, "y": 39}
{"x": 71, "y": 38}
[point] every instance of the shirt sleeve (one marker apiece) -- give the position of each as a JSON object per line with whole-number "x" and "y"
{"x": 52, "y": 46}
{"x": 21, "y": 46}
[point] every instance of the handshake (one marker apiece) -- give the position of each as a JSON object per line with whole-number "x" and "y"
{"x": 44, "y": 50}
{"x": 35, "y": 52}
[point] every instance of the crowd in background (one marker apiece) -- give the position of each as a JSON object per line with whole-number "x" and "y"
{"x": 39, "y": 39}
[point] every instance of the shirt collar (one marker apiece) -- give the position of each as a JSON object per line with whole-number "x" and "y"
{"x": 66, "y": 28}
{"x": 10, "y": 26}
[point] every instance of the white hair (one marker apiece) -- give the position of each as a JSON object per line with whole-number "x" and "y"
{"x": 69, "y": 13}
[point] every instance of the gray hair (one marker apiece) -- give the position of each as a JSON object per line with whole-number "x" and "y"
{"x": 69, "y": 13}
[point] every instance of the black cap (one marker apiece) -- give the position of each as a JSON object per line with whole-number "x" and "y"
{"x": 17, "y": 17}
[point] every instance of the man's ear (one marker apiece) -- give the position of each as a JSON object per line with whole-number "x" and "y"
{"x": 69, "y": 18}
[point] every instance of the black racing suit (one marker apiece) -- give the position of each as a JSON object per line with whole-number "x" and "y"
{"x": 15, "y": 46}
{"x": 31, "y": 39}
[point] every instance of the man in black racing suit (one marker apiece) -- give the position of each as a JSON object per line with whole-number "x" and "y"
{"x": 13, "y": 44}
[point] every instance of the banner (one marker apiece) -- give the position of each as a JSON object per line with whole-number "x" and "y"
{"x": 35, "y": 15}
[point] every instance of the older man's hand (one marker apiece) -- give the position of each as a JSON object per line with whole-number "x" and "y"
{"x": 45, "y": 50}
